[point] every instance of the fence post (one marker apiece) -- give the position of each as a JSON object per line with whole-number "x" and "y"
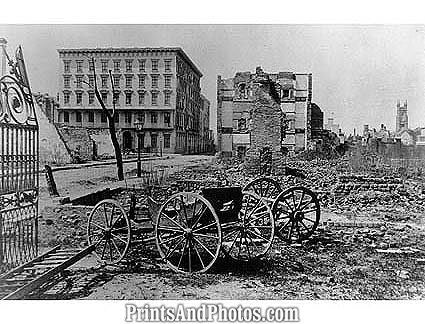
{"x": 51, "y": 185}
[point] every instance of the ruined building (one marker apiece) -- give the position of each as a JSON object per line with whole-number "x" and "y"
{"x": 402, "y": 119}
{"x": 238, "y": 127}
{"x": 316, "y": 121}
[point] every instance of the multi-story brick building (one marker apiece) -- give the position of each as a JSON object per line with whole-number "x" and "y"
{"x": 206, "y": 134}
{"x": 159, "y": 86}
{"x": 234, "y": 104}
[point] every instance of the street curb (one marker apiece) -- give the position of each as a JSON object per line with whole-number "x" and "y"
{"x": 88, "y": 165}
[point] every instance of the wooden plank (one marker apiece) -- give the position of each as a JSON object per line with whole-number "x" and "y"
{"x": 57, "y": 262}
{"x": 36, "y": 283}
{"x": 9, "y": 287}
{"x": 26, "y": 265}
{"x": 72, "y": 251}
{"x": 42, "y": 266}
{"x": 59, "y": 257}
{"x": 17, "y": 280}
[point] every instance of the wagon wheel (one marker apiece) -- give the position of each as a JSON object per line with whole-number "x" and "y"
{"x": 109, "y": 229}
{"x": 265, "y": 187}
{"x": 252, "y": 235}
{"x": 297, "y": 214}
{"x": 188, "y": 233}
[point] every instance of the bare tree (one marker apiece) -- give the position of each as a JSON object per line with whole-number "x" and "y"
{"x": 111, "y": 120}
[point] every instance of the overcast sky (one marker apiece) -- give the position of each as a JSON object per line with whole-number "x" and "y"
{"x": 359, "y": 72}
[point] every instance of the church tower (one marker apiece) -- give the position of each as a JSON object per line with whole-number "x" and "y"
{"x": 402, "y": 119}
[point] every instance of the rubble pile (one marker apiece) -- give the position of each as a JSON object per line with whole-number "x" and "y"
{"x": 348, "y": 183}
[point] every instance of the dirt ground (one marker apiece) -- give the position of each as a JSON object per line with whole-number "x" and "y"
{"x": 369, "y": 254}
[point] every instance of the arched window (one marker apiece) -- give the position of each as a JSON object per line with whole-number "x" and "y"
{"x": 242, "y": 90}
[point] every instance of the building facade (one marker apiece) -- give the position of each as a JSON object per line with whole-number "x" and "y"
{"x": 159, "y": 87}
{"x": 207, "y": 139}
{"x": 234, "y": 106}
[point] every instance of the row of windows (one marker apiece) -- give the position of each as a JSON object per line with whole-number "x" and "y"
{"x": 128, "y": 117}
{"x": 186, "y": 73}
{"x": 128, "y": 95}
{"x": 154, "y": 140}
{"x": 186, "y": 121}
{"x": 105, "y": 79}
{"x": 117, "y": 65}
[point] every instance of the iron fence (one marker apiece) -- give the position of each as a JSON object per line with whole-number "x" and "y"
{"x": 19, "y": 182}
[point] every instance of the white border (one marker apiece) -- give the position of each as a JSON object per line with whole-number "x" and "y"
{"x": 211, "y": 12}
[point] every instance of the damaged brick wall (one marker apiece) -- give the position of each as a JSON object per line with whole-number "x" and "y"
{"x": 78, "y": 142}
{"x": 265, "y": 127}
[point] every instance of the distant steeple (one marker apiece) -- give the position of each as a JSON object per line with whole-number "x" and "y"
{"x": 402, "y": 118}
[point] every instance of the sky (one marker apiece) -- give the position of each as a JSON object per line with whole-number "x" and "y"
{"x": 359, "y": 71}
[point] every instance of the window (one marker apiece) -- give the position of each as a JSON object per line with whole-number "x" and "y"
{"x": 66, "y": 117}
{"x": 91, "y": 81}
{"x": 128, "y": 79}
{"x": 78, "y": 117}
{"x": 102, "y": 117}
{"x": 166, "y": 140}
{"x": 142, "y": 65}
{"x": 141, "y": 98}
{"x": 117, "y": 66}
{"x": 104, "y": 66}
{"x": 104, "y": 79}
{"x": 104, "y": 97}
{"x": 155, "y": 65}
{"x": 155, "y": 80}
{"x": 91, "y": 98}
{"x": 128, "y": 66}
{"x": 79, "y": 81}
{"x": 154, "y": 117}
{"x": 154, "y": 98}
{"x": 66, "y": 81}
{"x": 116, "y": 98}
{"x": 116, "y": 117}
{"x": 66, "y": 66}
{"x": 128, "y": 98}
{"x": 66, "y": 98}
{"x": 167, "y": 79}
{"x": 154, "y": 140}
{"x": 79, "y": 98}
{"x": 127, "y": 117}
{"x": 167, "y": 98}
{"x": 91, "y": 117}
{"x": 141, "y": 117}
{"x": 142, "y": 80}
{"x": 117, "y": 81}
{"x": 167, "y": 119}
{"x": 79, "y": 66}
{"x": 91, "y": 66}
{"x": 167, "y": 65}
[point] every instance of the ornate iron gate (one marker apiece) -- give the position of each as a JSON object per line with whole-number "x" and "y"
{"x": 19, "y": 167}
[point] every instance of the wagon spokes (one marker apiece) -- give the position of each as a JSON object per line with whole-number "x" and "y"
{"x": 188, "y": 233}
{"x": 264, "y": 187}
{"x": 297, "y": 214}
{"x": 109, "y": 229}
{"x": 252, "y": 236}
